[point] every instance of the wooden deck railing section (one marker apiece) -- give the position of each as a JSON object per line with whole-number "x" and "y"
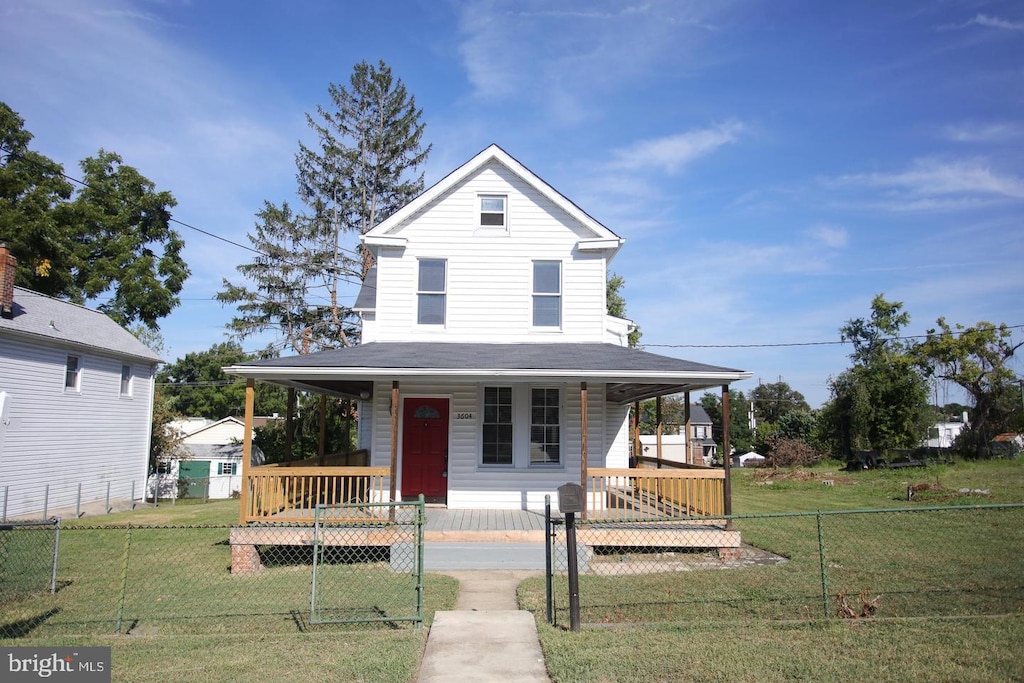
{"x": 654, "y": 494}
{"x": 279, "y": 494}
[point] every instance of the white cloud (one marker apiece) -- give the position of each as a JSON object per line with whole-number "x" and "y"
{"x": 673, "y": 152}
{"x": 996, "y": 22}
{"x": 931, "y": 178}
{"x": 829, "y": 235}
{"x": 984, "y": 132}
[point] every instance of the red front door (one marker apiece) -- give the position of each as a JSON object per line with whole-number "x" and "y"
{"x": 425, "y": 449}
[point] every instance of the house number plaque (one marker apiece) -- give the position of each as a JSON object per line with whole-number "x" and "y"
{"x": 464, "y": 416}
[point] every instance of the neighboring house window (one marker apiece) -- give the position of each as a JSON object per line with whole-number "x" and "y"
{"x": 431, "y": 292}
{"x": 545, "y": 426}
{"x": 497, "y": 431}
{"x": 492, "y": 211}
{"x": 547, "y": 293}
{"x": 126, "y": 380}
{"x": 73, "y": 373}
{"x": 163, "y": 467}
{"x": 227, "y": 468}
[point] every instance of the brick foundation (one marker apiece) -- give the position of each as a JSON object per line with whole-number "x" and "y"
{"x": 728, "y": 554}
{"x": 245, "y": 559}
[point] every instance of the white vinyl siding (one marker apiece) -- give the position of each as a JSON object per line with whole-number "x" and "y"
{"x": 63, "y": 439}
{"x": 520, "y": 486}
{"x": 489, "y": 280}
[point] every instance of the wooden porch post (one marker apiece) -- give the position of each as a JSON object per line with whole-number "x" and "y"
{"x": 728, "y": 458}
{"x": 289, "y": 425}
{"x": 394, "y": 442}
{"x": 688, "y": 455}
{"x": 636, "y": 434}
{"x": 250, "y": 392}
{"x": 321, "y": 449}
{"x": 659, "y": 428}
{"x": 583, "y": 442}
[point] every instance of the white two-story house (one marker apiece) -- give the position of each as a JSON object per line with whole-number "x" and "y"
{"x": 489, "y": 372}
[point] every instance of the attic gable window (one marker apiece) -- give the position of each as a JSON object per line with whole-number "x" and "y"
{"x": 430, "y": 292}
{"x": 492, "y": 211}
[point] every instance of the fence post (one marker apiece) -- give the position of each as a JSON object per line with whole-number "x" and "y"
{"x": 78, "y": 502}
{"x": 824, "y": 567}
{"x": 46, "y": 500}
{"x": 56, "y": 554}
{"x": 548, "y": 536}
{"x": 133, "y": 494}
{"x": 6, "y": 491}
{"x": 421, "y": 513}
{"x": 107, "y": 504}
{"x": 124, "y": 579}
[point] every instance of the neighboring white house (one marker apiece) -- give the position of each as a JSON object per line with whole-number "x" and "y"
{"x": 943, "y": 434}
{"x": 485, "y": 325}
{"x": 77, "y": 403}
{"x": 213, "y": 468}
{"x": 698, "y": 449}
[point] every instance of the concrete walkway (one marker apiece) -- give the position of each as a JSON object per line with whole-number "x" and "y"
{"x": 486, "y": 638}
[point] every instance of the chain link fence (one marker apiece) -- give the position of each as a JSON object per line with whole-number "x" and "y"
{"x": 920, "y": 562}
{"x": 149, "y": 580}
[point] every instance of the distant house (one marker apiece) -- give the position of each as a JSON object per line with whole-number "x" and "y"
{"x": 213, "y": 468}
{"x": 76, "y": 403}
{"x": 943, "y": 434}
{"x": 696, "y": 448}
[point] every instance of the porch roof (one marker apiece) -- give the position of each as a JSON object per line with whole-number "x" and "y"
{"x": 630, "y": 374}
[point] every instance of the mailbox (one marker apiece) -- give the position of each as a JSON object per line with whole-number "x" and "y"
{"x": 570, "y": 498}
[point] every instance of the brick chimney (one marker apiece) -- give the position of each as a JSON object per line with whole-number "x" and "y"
{"x": 8, "y": 266}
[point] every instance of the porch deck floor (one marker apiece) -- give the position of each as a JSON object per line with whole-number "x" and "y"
{"x": 445, "y": 520}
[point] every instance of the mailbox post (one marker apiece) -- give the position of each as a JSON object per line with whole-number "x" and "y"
{"x": 570, "y": 501}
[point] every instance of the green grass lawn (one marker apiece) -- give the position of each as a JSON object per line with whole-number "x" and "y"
{"x": 933, "y": 572}
{"x": 186, "y": 617}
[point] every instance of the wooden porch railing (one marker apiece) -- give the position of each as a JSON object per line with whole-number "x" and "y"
{"x": 652, "y": 494}
{"x": 291, "y": 494}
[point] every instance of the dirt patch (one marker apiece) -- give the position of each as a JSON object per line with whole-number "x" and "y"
{"x": 767, "y": 476}
{"x": 679, "y": 561}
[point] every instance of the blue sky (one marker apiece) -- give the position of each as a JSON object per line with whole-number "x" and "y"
{"x": 772, "y": 165}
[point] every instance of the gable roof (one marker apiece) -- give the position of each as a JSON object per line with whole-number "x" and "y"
{"x": 44, "y": 317}
{"x": 604, "y": 238}
{"x": 630, "y": 374}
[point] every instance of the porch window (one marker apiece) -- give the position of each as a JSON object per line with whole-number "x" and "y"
{"x": 497, "y": 426}
{"x": 431, "y": 292}
{"x": 73, "y": 373}
{"x": 545, "y": 426}
{"x": 492, "y": 211}
{"x": 547, "y": 293}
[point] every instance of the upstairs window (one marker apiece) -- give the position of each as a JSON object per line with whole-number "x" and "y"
{"x": 431, "y": 292}
{"x": 126, "y": 380}
{"x": 547, "y": 293}
{"x": 73, "y": 373}
{"x": 492, "y": 211}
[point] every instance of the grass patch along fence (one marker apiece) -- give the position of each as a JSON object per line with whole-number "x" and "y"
{"x": 898, "y": 562}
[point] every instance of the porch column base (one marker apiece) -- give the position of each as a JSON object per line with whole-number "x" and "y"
{"x": 728, "y": 554}
{"x": 245, "y": 559}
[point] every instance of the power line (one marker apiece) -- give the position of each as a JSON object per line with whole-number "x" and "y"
{"x": 796, "y": 344}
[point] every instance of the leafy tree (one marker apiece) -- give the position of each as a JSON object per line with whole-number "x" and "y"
{"x": 741, "y": 438}
{"x": 196, "y": 386}
{"x": 977, "y": 359}
{"x": 616, "y": 305}
{"x": 672, "y": 414}
{"x": 165, "y": 443}
{"x": 882, "y": 401}
{"x": 113, "y": 237}
{"x": 774, "y": 400}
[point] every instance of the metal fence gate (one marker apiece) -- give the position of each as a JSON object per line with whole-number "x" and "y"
{"x": 370, "y": 569}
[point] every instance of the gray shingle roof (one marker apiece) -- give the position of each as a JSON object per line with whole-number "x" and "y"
{"x": 478, "y": 356}
{"x": 41, "y": 316}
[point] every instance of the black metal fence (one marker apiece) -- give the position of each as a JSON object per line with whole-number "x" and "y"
{"x": 208, "y": 579}
{"x": 903, "y": 562}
